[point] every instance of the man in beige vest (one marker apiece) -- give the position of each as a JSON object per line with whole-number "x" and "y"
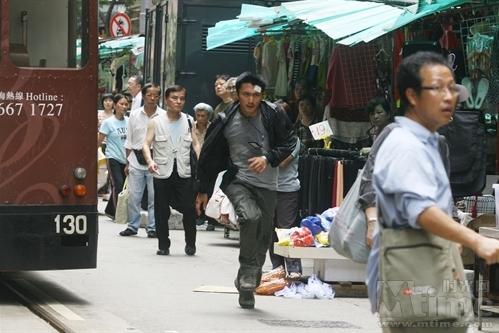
{"x": 171, "y": 138}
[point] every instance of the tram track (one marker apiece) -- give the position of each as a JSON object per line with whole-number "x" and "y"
{"x": 37, "y": 302}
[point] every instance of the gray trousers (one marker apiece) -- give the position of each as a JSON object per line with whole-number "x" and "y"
{"x": 254, "y": 208}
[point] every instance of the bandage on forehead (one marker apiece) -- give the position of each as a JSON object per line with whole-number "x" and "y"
{"x": 257, "y": 89}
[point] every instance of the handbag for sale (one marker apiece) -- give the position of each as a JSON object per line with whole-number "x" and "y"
{"x": 121, "y": 215}
{"x": 422, "y": 280}
{"x": 348, "y": 230}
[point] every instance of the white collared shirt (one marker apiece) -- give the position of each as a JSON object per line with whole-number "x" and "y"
{"x": 136, "y": 135}
{"x": 137, "y": 101}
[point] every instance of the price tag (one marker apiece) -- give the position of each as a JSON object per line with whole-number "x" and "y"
{"x": 321, "y": 130}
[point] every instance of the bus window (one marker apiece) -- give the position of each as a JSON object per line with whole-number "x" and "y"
{"x": 49, "y": 33}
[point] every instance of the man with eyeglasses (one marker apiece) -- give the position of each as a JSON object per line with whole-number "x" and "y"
{"x": 413, "y": 192}
{"x": 171, "y": 138}
{"x": 138, "y": 175}
{"x": 249, "y": 140}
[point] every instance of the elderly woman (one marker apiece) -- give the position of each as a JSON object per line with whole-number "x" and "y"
{"x": 202, "y": 113}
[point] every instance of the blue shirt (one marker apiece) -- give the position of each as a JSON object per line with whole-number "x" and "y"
{"x": 115, "y": 131}
{"x": 409, "y": 177}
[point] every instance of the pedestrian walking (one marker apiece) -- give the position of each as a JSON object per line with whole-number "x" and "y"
{"x": 171, "y": 138}
{"x": 135, "y": 89}
{"x": 414, "y": 202}
{"x": 114, "y": 131}
{"x": 249, "y": 140}
{"x": 138, "y": 175}
{"x": 286, "y": 213}
{"x": 203, "y": 112}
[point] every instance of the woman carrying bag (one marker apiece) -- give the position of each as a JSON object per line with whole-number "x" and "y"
{"x": 415, "y": 276}
{"x": 114, "y": 131}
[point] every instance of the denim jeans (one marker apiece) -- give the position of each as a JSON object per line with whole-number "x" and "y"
{"x": 137, "y": 180}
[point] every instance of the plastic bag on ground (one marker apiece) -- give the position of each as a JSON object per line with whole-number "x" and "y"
{"x": 276, "y": 273}
{"x": 288, "y": 292}
{"x": 314, "y": 288}
{"x": 319, "y": 289}
{"x": 270, "y": 287}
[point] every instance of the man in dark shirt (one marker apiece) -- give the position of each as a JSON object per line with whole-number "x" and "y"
{"x": 249, "y": 139}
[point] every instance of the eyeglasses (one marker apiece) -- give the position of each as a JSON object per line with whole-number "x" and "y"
{"x": 442, "y": 89}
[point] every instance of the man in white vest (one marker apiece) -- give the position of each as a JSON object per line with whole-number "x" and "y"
{"x": 139, "y": 178}
{"x": 171, "y": 138}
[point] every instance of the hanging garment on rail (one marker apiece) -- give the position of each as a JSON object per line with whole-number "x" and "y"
{"x": 319, "y": 173}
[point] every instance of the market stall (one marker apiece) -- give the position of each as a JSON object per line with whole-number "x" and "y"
{"x": 344, "y": 53}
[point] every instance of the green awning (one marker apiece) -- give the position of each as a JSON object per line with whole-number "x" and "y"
{"x": 348, "y": 22}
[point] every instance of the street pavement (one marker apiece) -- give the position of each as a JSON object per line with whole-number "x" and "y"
{"x": 135, "y": 290}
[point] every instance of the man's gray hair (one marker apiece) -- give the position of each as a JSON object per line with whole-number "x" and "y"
{"x": 203, "y": 107}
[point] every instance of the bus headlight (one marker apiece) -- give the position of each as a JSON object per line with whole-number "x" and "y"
{"x": 80, "y": 173}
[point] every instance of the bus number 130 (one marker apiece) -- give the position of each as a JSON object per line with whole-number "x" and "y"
{"x": 70, "y": 225}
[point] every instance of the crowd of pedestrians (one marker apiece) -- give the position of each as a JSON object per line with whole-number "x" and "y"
{"x": 170, "y": 158}
{"x": 177, "y": 159}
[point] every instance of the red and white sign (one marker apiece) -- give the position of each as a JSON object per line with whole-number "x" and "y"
{"x": 120, "y": 25}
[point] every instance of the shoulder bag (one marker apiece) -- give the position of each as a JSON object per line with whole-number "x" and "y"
{"x": 422, "y": 280}
{"x": 348, "y": 230}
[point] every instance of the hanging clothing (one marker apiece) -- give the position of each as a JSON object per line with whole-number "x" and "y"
{"x": 269, "y": 62}
{"x": 347, "y": 131}
{"x": 352, "y": 76}
{"x": 339, "y": 186}
{"x": 323, "y": 181}
{"x": 281, "y": 85}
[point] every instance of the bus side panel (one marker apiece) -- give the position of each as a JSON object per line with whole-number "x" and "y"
{"x": 50, "y": 237}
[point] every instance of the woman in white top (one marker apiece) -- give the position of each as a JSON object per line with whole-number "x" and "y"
{"x": 114, "y": 130}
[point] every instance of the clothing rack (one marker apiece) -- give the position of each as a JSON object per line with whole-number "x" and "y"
{"x": 325, "y": 176}
{"x": 338, "y": 153}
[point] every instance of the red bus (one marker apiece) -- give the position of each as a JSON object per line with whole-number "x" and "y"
{"x": 48, "y": 131}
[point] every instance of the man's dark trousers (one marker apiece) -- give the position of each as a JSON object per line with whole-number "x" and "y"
{"x": 255, "y": 209}
{"x": 178, "y": 193}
